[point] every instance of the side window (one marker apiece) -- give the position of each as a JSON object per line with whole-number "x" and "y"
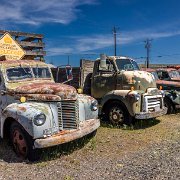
{"x": 165, "y": 75}
{"x": 109, "y": 67}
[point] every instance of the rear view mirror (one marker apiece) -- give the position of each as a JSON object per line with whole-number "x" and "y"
{"x": 69, "y": 72}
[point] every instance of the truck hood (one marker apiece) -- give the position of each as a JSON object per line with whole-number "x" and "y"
{"x": 168, "y": 85}
{"x": 45, "y": 91}
{"x": 140, "y": 80}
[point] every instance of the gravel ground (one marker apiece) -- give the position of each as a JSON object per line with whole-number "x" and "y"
{"x": 147, "y": 151}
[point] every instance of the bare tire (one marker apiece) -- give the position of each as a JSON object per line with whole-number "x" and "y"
{"x": 117, "y": 114}
{"x": 22, "y": 143}
{"x": 168, "y": 104}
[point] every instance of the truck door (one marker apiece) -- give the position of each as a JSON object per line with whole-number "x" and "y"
{"x": 103, "y": 80}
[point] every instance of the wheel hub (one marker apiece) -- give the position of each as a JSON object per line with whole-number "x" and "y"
{"x": 116, "y": 115}
{"x": 19, "y": 143}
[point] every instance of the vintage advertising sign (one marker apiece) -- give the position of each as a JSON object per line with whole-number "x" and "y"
{"x": 10, "y": 48}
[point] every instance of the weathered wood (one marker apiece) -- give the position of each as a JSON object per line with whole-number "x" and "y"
{"x": 86, "y": 74}
{"x": 15, "y": 33}
{"x": 31, "y": 44}
{"x": 35, "y": 53}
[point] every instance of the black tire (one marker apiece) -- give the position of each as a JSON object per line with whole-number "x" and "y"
{"x": 117, "y": 114}
{"x": 169, "y": 105}
{"x": 22, "y": 143}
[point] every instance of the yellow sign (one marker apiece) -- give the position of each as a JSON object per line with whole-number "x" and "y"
{"x": 10, "y": 48}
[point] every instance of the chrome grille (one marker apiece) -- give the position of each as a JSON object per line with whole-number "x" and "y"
{"x": 151, "y": 103}
{"x": 68, "y": 114}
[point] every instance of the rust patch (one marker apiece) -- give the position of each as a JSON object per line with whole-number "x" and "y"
{"x": 45, "y": 91}
{"x": 22, "y": 109}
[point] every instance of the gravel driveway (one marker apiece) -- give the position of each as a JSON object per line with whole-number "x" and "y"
{"x": 147, "y": 151}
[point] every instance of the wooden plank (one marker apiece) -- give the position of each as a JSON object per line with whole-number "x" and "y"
{"x": 15, "y": 33}
{"x": 35, "y": 53}
{"x": 86, "y": 74}
{"x": 31, "y": 44}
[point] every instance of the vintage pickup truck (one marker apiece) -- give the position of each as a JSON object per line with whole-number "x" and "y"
{"x": 37, "y": 113}
{"x": 122, "y": 90}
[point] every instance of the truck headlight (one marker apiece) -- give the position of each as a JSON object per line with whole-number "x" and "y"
{"x": 137, "y": 97}
{"x": 162, "y": 93}
{"x": 94, "y": 105}
{"x": 39, "y": 119}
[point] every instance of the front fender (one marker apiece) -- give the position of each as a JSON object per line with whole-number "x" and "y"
{"x": 24, "y": 113}
{"x": 123, "y": 96}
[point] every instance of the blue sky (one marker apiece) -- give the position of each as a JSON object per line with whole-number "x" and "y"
{"x": 83, "y": 28}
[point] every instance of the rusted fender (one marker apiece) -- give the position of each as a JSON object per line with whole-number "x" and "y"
{"x": 121, "y": 95}
{"x": 24, "y": 113}
{"x": 86, "y": 127}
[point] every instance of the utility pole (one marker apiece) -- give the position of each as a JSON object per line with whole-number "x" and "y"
{"x": 114, "y": 33}
{"x": 148, "y": 47}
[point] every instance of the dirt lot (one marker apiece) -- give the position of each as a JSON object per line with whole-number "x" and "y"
{"x": 146, "y": 151}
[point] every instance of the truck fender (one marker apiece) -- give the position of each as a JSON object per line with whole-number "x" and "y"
{"x": 22, "y": 113}
{"x": 118, "y": 95}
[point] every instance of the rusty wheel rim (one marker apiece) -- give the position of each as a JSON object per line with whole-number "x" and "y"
{"x": 116, "y": 115}
{"x": 19, "y": 143}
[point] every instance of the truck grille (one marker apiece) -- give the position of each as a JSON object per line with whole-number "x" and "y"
{"x": 68, "y": 114}
{"x": 151, "y": 103}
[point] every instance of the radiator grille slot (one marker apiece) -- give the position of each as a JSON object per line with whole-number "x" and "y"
{"x": 152, "y": 103}
{"x": 68, "y": 114}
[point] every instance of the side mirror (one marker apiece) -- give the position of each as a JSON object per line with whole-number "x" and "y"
{"x": 69, "y": 72}
{"x": 103, "y": 61}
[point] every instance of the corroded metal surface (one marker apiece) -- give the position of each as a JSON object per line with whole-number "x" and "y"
{"x": 42, "y": 96}
{"x": 86, "y": 127}
{"x": 45, "y": 88}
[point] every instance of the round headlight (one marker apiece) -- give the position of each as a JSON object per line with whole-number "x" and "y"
{"x": 94, "y": 105}
{"x": 137, "y": 97}
{"x": 39, "y": 119}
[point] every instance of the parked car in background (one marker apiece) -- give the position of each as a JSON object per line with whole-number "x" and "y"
{"x": 171, "y": 88}
{"x": 168, "y": 74}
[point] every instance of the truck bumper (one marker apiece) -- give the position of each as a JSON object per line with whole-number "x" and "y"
{"x": 65, "y": 136}
{"x": 148, "y": 115}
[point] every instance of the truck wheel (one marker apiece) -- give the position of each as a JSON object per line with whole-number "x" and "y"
{"x": 22, "y": 143}
{"x": 168, "y": 104}
{"x": 118, "y": 115}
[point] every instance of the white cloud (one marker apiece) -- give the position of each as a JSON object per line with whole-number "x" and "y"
{"x": 83, "y": 44}
{"x": 40, "y": 11}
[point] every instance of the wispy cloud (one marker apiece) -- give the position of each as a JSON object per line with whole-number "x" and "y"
{"x": 83, "y": 44}
{"x": 40, "y": 11}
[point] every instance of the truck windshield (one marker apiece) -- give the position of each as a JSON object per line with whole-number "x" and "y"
{"x": 41, "y": 72}
{"x": 174, "y": 74}
{"x": 127, "y": 64}
{"x": 19, "y": 73}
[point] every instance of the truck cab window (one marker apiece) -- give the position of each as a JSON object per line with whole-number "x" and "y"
{"x": 109, "y": 67}
{"x": 127, "y": 64}
{"x": 41, "y": 72}
{"x": 18, "y": 73}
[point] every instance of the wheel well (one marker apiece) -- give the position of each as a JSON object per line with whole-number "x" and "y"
{"x": 105, "y": 106}
{"x": 6, "y": 128}
{"x": 169, "y": 101}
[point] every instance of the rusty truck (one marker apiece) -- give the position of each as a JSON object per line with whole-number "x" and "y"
{"x": 36, "y": 112}
{"x": 172, "y": 91}
{"x": 123, "y": 91}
